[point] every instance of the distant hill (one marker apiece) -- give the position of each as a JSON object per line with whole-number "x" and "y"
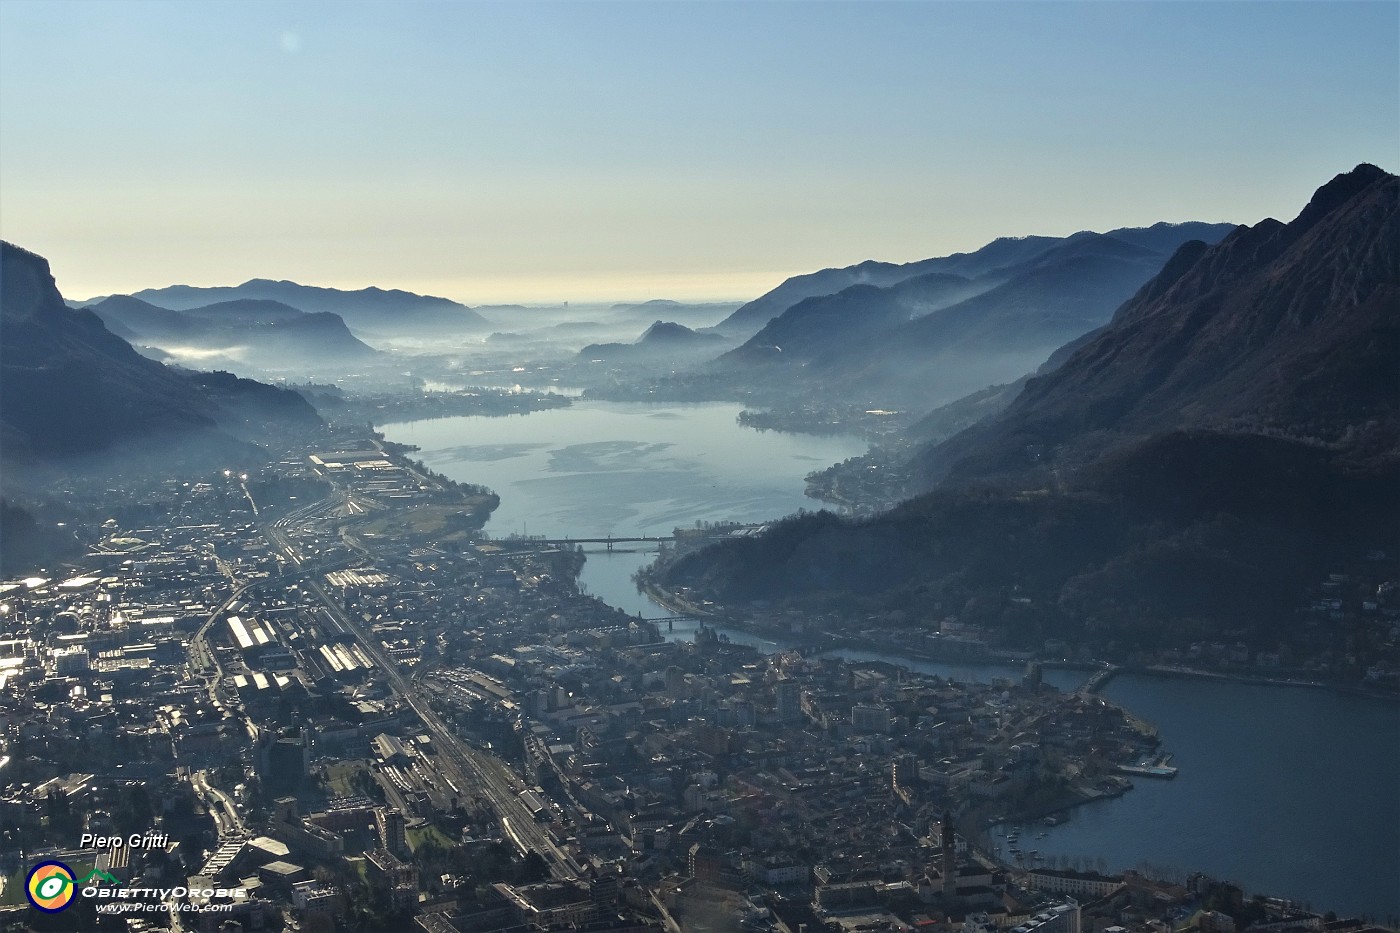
{"x": 985, "y": 264}
{"x": 1228, "y": 439}
{"x": 750, "y": 317}
{"x": 265, "y": 334}
{"x": 690, "y": 313}
{"x": 70, "y": 386}
{"x": 815, "y": 326}
{"x": 662, "y": 340}
{"x": 937, "y": 336}
{"x": 655, "y": 304}
{"x": 372, "y": 310}
{"x": 669, "y": 333}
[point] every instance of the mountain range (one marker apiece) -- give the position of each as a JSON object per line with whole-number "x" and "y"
{"x": 72, "y": 387}
{"x": 936, "y": 335}
{"x": 1281, "y": 328}
{"x": 369, "y": 310}
{"x": 1230, "y": 436}
{"x": 991, "y": 264}
{"x": 1006, "y": 251}
{"x": 262, "y": 333}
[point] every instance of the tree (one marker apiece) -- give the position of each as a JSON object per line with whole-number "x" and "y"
{"x": 533, "y": 868}
{"x": 131, "y": 812}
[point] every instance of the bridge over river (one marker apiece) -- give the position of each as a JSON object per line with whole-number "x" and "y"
{"x": 608, "y": 540}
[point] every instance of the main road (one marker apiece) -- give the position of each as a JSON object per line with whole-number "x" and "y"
{"x": 469, "y": 766}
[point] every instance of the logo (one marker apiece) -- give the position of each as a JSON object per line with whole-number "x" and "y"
{"x": 100, "y": 876}
{"x": 49, "y": 886}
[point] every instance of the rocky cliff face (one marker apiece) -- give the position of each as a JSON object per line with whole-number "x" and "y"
{"x": 1289, "y": 329}
{"x": 70, "y": 386}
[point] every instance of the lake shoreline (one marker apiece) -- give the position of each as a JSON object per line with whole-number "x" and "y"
{"x": 643, "y": 469}
{"x": 675, "y": 603}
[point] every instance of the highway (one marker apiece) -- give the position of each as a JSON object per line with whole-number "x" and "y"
{"x": 221, "y": 806}
{"x": 466, "y": 766}
{"x": 200, "y": 643}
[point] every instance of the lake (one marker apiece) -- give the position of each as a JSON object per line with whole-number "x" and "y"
{"x": 1289, "y": 790}
{"x": 1286, "y": 791}
{"x": 624, "y": 468}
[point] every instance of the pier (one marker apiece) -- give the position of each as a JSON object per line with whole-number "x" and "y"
{"x": 1156, "y": 768}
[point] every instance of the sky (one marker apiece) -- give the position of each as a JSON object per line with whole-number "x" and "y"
{"x": 536, "y": 152}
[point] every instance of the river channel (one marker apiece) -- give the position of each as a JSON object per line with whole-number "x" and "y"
{"x": 1287, "y": 791}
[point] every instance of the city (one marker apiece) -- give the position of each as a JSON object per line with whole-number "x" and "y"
{"x": 687, "y": 467}
{"x": 418, "y": 724}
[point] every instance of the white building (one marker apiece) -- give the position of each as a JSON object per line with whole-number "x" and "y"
{"x": 1075, "y": 883}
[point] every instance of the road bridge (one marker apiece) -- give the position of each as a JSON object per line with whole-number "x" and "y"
{"x": 556, "y": 542}
{"x": 608, "y": 540}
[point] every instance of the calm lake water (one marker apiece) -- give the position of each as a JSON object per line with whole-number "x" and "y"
{"x": 624, "y": 468}
{"x": 1286, "y": 791}
{"x": 1282, "y": 790}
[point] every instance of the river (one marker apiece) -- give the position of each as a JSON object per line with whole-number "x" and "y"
{"x": 1285, "y": 791}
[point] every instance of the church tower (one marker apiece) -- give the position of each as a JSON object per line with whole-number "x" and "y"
{"x": 949, "y": 868}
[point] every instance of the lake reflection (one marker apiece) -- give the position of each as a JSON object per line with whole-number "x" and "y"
{"x": 624, "y": 469}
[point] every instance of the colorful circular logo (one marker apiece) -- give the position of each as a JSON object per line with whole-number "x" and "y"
{"x": 49, "y": 886}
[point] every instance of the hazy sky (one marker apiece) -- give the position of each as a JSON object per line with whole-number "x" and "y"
{"x": 529, "y": 152}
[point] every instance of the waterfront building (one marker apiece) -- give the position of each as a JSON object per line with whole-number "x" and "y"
{"x": 1075, "y": 883}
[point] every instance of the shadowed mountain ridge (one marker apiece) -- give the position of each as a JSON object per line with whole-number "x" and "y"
{"x": 1230, "y": 437}
{"x": 72, "y": 387}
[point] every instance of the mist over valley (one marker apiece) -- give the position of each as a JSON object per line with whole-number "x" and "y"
{"x": 699, "y": 468}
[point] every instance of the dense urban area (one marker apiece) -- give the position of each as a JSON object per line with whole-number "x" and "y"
{"x": 315, "y": 696}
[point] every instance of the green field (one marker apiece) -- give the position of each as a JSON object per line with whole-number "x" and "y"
{"x": 420, "y": 834}
{"x": 340, "y": 775}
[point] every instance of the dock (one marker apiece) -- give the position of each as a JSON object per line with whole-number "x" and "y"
{"x": 1153, "y": 769}
{"x": 1166, "y": 772}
